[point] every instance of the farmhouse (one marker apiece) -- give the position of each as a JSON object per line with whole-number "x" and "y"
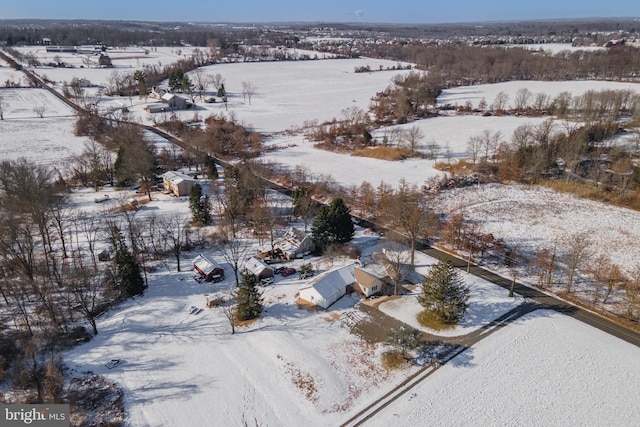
{"x": 295, "y": 242}
{"x": 169, "y": 102}
{"x": 258, "y": 268}
{"x": 368, "y": 283}
{"x": 177, "y": 183}
{"x": 208, "y": 269}
{"x": 328, "y": 287}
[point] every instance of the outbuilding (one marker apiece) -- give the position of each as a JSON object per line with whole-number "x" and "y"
{"x": 258, "y": 268}
{"x": 208, "y": 269}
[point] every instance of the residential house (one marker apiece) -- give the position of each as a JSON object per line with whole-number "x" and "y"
{"x": 169, "y": 102}
{"x": 175, "y": 102}
{"x": 329, "y": 287}
{"x": 368, "y": 283}
{"x": 208, "y": 269}
{"x": 177, "y": 183}
{"x": 258, "y": 268}
{"x": 295, "y": 243}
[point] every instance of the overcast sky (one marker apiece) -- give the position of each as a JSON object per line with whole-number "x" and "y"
{"x": 399, "y": 11}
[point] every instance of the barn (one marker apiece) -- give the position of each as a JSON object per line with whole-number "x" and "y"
{"x": 328, "y": 287}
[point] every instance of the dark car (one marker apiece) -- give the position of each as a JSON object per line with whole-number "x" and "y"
{"x": 278, "y": 270}
{"x": 287, "y": 271}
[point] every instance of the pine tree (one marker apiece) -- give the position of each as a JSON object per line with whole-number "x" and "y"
{"x": 341, "y": 221}
{"x": 199, "y": 205}
{"x": 127, "y": 277}
{"x": 212, "y": 170}
{"x": 444, "y": 293}
{"x": 248, "y": 298}
{"x": 332, "y": 224}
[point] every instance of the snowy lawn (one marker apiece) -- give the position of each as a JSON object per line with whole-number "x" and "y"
{"x": 291, "y": 366}
{"x": 486, "y": 303}
{"x": 545, "y": 369}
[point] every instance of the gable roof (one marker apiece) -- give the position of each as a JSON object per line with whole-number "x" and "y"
{"x": 327, "y": 283}
{"x": 255, "y": 266}
{"x": 205, "y": 265}
{"x": 176, "y": 177}
{"x": 366, "y": 279}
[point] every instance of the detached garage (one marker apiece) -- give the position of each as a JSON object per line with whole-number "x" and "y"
{"x": 328, "y": 287}
{"x": 208, "y": 269}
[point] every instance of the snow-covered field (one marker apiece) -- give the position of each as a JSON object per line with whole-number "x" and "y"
{"x": 545, "y": 369}
{"x": 535, "y": 218}
{"x": 474, "y": 94}
{"x": 48, "y": 140}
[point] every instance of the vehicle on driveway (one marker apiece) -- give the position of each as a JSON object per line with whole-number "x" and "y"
{"x": 267, "y": 281}
{"x": 287, "y": 271}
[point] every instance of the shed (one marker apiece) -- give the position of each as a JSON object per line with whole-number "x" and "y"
{"x": 177, "y": 183}
{"x": 368, "y": 283}
{"x": 258, "y": 268}
{"x": 328, "y": 287}
{"x": 208, "y": 269}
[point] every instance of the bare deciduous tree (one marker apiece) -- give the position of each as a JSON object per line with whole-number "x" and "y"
{"x": 413, "y": 137}
{"x": 522, "y": 98}
{"x": 3, "y": 106}
{"x": 578, "y": 251}
{"x": 40, "y": 109}
{"x": 248, "y": 90}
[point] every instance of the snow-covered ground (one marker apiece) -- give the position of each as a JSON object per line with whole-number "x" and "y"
{"x": 486, "y": 303}
{"x": 534, "y": 218}
{"x": 48, "y": 140}
{"x": 545, "y": 369}
{"x": 474, "y": 94}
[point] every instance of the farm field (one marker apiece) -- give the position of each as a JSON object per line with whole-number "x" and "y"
{"x": 543, "y": 369}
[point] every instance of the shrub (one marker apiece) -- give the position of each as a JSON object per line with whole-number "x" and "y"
{"x": 393, "y": 359}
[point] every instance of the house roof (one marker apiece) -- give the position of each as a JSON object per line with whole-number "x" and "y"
{"x": 205, "y": 265}
{"x": 330, "y": 281}
{"x": 292, "y": 240}
{"x": 365, "y": 278}
{"x": 255, "y": 265}
{"x": 176, "y": 177}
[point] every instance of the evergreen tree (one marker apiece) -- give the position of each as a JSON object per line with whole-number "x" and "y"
{"x": 341, "y": 221}
{"x": 199, "y": 205}
{"x": 332, "y": 224}
{"x": 444, "y": 293}
{"x": 175, "y": 79}
{"x": 127, "y": 277}
{"x": 248, "y": 298}
{"x": 210, "y": 165}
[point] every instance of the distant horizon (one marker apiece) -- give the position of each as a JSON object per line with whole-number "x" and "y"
{"x": 221, "y": 23}
{"x": 409, "y": 12}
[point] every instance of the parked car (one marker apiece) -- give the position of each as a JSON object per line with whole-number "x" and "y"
{"x": 287, "y": 271}
{"x": 278, "y": 270}
{"x": 267, "y": 281}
